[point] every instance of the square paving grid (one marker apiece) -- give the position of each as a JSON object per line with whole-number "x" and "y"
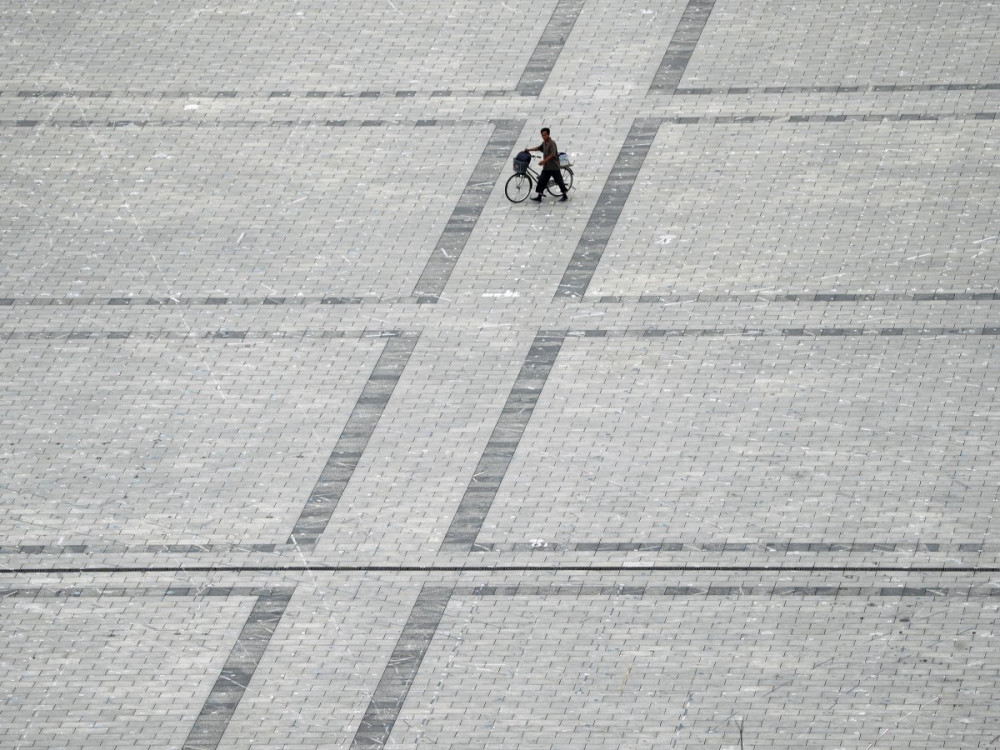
{"x": 342, "y": 212}
{"x": 782, "y": 44}
{"x": 109, "y": 671}
{"x": 140, "y": 442}
{"x": 852, "y": 207}
{"x": 288, "y": 46}
{"x": 310, "y": 439}
{"x": 695, "y": 440}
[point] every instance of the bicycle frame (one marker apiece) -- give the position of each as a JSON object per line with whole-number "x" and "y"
{"x": 533, "y": 176}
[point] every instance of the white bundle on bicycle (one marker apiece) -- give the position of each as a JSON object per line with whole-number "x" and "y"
{"x": 565, "y": 160}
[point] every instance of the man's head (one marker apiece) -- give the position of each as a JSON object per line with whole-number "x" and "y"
{"x": 545, "y": 134}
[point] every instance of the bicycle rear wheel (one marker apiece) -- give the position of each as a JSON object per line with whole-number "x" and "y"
{"x": 518, "y": 187}
{"x": 567, "y": 175}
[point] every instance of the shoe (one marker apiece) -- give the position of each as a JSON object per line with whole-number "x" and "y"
{"x": 536, "y": 198}
{"x": 564, "y": 198}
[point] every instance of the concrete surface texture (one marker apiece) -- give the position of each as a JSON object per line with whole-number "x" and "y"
{"x": 309, "y": 438}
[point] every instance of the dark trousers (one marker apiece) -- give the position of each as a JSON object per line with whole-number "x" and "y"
{"x": 550, "y": 174}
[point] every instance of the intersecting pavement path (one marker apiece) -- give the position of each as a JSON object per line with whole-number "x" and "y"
{"x": 311, "y": 439}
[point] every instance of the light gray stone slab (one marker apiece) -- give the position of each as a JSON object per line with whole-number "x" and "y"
{"x": 353, "y": 440}
{"x": 709, "y": 445}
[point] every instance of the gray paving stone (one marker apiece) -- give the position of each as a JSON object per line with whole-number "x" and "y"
{"x": 354, "y": 437}
{"x": 682, "y": 45}
{"x": 839, "y": 442}
{"x": 100, "y": 672}
{"x": 387, "y": 701}
{"x": 252, "y": 214}
{"x": 544, "y": 667}
{"x": 710, "y": 444}
{"x": 455, "y": 235}
{"x": 237, "y": 672}
{"x": 754, "y": 43}
{"x": 550, "y": 44}
{"x": 607, "y": 212}
{"x": 500, "y": 450}
{"x": 832, "y": 208}
{"x": 590, "y": 67}
{"x": 288, "y": 45}
{"x": 136, "y": 441}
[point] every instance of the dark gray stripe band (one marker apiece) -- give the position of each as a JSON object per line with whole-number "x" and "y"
{"x": 97, "y": 590}
{"x": 221, "y": 703}
{"x": 482, "y": 489}
{"x": 644, "y": 590}
{"x": 387, "y": 701}
{"x": 601, "y": 225}
{"x": 550, "y": 38}
{"x": 981, "y": 590}
{"x": 13, "y": 336}
{"x": 730, "y": 547}
{"x": 300, "y": 300}
{"x": 836, "y": 89}
{"x": 676, "y": 120}
{"x": 831, "y": 297}
{"x": 340, "y": 466}
{"x": 682, "y": 44}
{"x": 463, "y": 219}
{"x": 549, "y": 46}
{"x": 483, "y": 546}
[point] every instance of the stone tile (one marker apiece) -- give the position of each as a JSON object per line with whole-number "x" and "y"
{"x": 165, "y": 441}
{"x": 286, "y": 212}
{"x": 678, "y": 670}
{"x": 322, "y": 667}
{"x": 111, "y": 671}
{"x": 757, "y": 43}
{"x": 691, "y": 439}
{"x": 280, "y": 47}
{"x": 797, "y": 208}
{"x": 313, "y": 440}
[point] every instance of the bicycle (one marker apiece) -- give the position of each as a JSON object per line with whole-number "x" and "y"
{"x": 522, "y": 182}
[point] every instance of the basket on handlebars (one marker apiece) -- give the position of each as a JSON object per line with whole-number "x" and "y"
{"x": 521, "y": 162}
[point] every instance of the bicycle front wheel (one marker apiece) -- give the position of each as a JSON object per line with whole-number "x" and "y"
{"x": 518, "y": 187}
{"x": 567, "y": 175}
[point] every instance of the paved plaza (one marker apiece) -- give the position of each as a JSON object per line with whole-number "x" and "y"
{"x": 311, "y": 439}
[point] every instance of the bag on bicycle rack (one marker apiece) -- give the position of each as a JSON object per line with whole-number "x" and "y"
{"x": 521, "y": 162}
{"x": 565, "y": 160}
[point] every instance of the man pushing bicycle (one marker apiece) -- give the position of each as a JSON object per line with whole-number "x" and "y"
{"x": 550, "y": 167}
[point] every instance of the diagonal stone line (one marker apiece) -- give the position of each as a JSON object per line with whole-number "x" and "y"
{"x": 209, "y": 727}
{"x": 463, "y": 219}
{"x": 343, "y": 460}
{"x": 682, "y": 44}
{"x": 549, "y": 47}
{"x": 388, "y": 698}
{"x": 482, "y": 489}
{"x": 604, "y": 217}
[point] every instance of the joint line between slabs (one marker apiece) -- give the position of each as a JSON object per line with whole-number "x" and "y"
{"x": 387, "y": 701}
{"x": 229, "y": 687}
{"x": 353, "y": 440}
{"x": 682, "y": 45}
{"x": 485, "y": 482}
{"x": 972, "y": 570}
{"x": 464, "y": 217}
{"x": 549, "y": 47}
